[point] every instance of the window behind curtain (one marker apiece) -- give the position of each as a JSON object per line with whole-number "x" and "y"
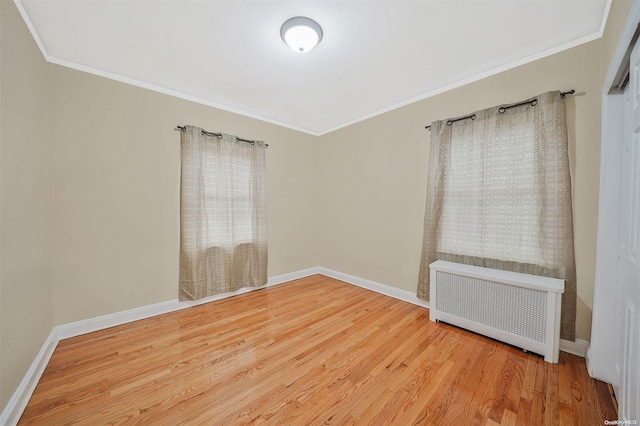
{"x": 490, "y": 201}
{"x": 499, "y": 196}
{"x": 228, "y": 213}
{"x": 223, "y": 223}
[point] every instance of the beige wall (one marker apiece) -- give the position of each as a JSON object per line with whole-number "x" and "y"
{"x": 26, "y": 305}
{"x": 116, "y": 175}
{"x": 373, "y": 174}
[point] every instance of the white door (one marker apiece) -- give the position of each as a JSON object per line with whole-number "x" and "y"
{"x": 629, "y": 254}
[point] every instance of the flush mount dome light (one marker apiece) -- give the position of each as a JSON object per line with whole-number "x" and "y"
{"x": 301, "y": 34}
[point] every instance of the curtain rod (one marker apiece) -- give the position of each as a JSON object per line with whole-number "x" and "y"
{"x": 502, "y": 109}
{"x": 219, "y": 135}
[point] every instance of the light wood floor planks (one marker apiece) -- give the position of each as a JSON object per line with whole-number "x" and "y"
{"x": 311, "y": 352}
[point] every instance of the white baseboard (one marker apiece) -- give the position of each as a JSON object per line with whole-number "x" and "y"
{"x": 387, "y": 290}
{"x": 578, "y": 348}
{"x": 12, "y": 412}
{"x": 105, "y": 321}
{"x": 16, "y": 405}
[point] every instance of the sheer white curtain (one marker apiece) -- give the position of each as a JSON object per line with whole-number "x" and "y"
{"x": 499, "y": 195}
{"x": 223, "y": 214}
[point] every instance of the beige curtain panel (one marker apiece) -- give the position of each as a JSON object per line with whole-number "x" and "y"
{"x": 499, "y": 196}
{"x": 223, "y": 214}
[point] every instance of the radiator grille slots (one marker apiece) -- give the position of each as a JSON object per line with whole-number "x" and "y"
{"x": 516, "y": 310}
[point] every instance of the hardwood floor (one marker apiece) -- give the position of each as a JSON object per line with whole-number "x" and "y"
{"x": 310, "y": 352}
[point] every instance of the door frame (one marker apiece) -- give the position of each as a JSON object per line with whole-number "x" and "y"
{"x": 605, "y": 327}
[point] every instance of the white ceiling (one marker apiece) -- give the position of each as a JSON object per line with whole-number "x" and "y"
{"x": 375, "y": 55}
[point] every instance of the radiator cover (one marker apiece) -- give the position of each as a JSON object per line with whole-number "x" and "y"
{"x": 519, "y": 309}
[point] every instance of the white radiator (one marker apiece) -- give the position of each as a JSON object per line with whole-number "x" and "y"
{"x": 519, "y": 309}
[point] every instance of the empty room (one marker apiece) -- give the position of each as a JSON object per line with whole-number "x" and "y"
{"x": 320, "y": 212}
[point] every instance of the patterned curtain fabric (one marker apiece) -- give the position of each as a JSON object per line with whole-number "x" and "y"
{"x": 223, "y": 214}
{"x": 499, "y": 196}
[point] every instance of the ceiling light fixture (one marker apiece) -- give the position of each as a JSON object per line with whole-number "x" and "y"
{"x": 301, "y": 34}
